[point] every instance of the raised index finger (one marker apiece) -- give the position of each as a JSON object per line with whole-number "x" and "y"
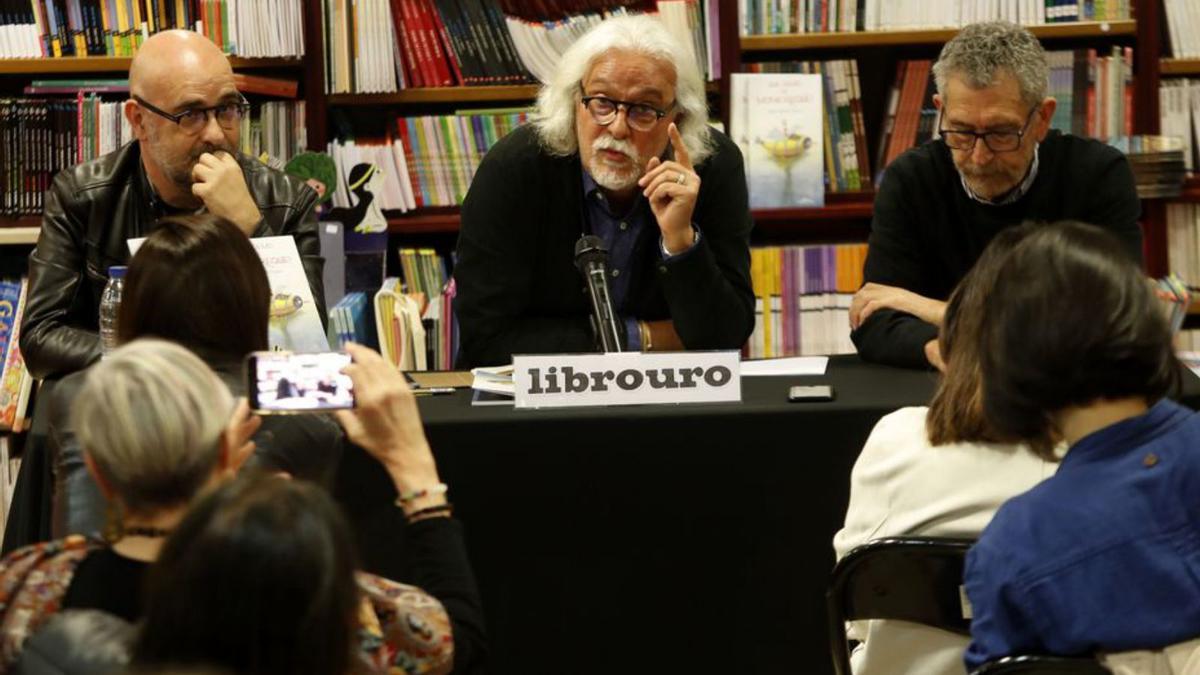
{"x": 681, "y": 153}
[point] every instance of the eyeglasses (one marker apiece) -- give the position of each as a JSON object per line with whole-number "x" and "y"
{"x": 228, "y": 115}
{"x": 996, "y": 141}
{"x": 638, "y": 116}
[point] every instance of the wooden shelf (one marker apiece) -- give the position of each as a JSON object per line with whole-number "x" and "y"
{"x": 1191, "y": 191}
{"x": 1084, "y": 29}
{"x": 1179, "y": 67}
{"x": 839, "y": 207}
{"x": 514, "y": 93}
{"x": 114, "y": 64}
{"x": 22, "y": 230}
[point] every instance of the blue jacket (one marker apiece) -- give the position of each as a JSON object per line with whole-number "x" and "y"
{"x": 1104, "y": 555}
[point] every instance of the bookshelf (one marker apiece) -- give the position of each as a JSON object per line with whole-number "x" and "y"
{"x": 69, "y": 65}
{"x": 937, "y": 37}
{"x": 1179, "y": 67}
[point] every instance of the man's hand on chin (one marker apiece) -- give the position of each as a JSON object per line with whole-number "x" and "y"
{"x": 219, "y": 183}
{"x": 872, "y": 297}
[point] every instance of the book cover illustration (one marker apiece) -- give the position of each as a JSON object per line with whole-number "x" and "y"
{"x": 776, "y": 121}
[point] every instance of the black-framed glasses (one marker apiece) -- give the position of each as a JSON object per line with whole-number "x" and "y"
{"x": 996, "y": 141}
{"x": 638, "y": 116}
{"x": 229, "y": 115}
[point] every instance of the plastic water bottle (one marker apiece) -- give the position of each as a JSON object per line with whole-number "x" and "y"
{"x": 110, "y": 302}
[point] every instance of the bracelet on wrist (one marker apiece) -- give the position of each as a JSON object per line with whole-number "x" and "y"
{"x": 406, "y": 497}
{"x": 439, "y": 511}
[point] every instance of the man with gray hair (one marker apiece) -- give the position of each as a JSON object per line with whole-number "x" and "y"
{"x": 997, "y": 164}
{"x": 620, "y": 148}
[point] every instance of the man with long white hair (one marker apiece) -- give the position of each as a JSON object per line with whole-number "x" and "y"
{"x": 619, "y": 148}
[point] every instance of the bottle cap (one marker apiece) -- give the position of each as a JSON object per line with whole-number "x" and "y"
{"x": 117, "y": 272}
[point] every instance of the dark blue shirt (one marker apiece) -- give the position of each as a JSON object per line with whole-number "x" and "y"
{"x": 1103, "y": 555}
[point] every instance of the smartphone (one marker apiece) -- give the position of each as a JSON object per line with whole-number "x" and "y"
{"x": 816, "y": 392}
{"x": 285, "y": 382}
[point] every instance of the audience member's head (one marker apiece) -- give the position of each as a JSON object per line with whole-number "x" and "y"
{"x": 633, "y": 58}
{"x": 956, "y": 411}
{"x": 258, "y": 579}
{"x": 1071, "y": 321}
{"x": 151, "y": 418}
{"x": 992, "y": 79}
{"x": 197, "y": 280}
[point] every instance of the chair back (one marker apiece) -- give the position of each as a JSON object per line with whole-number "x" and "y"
{"x": 916, "y": 579}
{"x": 1042, "y": 665}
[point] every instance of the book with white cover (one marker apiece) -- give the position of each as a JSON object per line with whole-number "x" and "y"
{"x": 776, "y": 121}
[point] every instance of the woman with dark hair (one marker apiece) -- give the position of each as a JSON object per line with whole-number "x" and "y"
{"x": 196, "y": 281}
{"x": 936, "y": 471}
{"x": 1104, "y": 556}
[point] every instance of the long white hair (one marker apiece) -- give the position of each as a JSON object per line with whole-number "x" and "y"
{"x": 557, "y": 102}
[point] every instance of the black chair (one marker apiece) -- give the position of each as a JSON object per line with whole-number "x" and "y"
{"x": 917, "y": 579}
{"x": 1042, "y": 665}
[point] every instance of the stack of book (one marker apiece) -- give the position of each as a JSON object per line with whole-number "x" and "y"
{"x": 1157, "y": 162}
{"x": 1179, "y": 116}
{"x": 1183, "y": 28}
{"x": 431, "y": 159}
{"x": 845, "y": 138}
{"x": 803, "y": 293}
{"x": 829, "y": 16}
{"x": 55, "y": 28}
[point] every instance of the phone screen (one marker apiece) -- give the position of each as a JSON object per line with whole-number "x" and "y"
{"x": 284, "y": 382}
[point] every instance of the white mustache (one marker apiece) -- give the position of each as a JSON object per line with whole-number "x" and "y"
{"x": 606, "y": 142}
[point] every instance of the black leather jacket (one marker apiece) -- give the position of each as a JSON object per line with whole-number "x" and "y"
{"x": 91, "y": 210}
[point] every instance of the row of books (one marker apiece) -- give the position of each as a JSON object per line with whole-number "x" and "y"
{"x": 843, "y": 130}
{"x": 1183, "y": 28}
{"x": 15, "y": 382}
{"x": 413, "y": 331}
{"x": 430, "y": 161}
{"x": 774, "y": 17}
{"x": 425, "y": 275}
{"x": 803, "y": 293}
{"x": 694, "y": 23}
{"x": 40, "y": 136}
{"x": 57, "y": 28}
{"x": 380, "y": 46}
{"x": 1183, "y": 242}
{"x": 1179, "y": 116}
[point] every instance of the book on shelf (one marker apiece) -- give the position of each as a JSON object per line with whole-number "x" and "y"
{"x": 844, "y": 132}
{"x": 58, "y": 28}
{"x": 845, "y": 16}
{"x": 802, "y": 299}
{"x": 1179, "y": 116}
{"x": 267, "y": 86}
{"x": 776, "y": 119}
{"x": 1182, "y": 28}
{"x": 1183, "y": 242}
{"x": 425, "y": 276}
{"x": 15, "y": 380}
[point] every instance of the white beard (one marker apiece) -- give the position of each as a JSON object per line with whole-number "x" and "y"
{"x": 608, "y": 175}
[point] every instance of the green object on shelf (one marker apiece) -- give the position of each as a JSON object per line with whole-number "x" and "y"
{"x": 315, "y": 167}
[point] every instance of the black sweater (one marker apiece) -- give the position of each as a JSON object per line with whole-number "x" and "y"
{"x": 927, "y": 233}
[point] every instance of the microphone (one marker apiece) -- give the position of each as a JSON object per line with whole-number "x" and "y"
{"x": 591, "y": 259}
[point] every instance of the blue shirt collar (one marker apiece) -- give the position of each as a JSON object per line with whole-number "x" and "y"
{"x": 1118, "y": 438}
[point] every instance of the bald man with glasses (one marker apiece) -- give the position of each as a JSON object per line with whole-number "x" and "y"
{"x": 619, "y": 148}
{"x": 996, "y": 163}
{"x": 186, "y": 114}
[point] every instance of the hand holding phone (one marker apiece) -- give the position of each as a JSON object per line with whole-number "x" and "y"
{"x": 283, "y": 382}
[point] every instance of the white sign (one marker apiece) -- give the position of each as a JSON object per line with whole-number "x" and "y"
{"x": 625, "y": 378}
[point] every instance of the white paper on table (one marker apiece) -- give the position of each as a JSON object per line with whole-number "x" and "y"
{"x": 792, "y": 365}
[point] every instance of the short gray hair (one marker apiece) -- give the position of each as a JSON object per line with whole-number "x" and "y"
{"x": 557, "y": 102}
{"x": 151, "y": 415}
{"x": 981, "y": 50}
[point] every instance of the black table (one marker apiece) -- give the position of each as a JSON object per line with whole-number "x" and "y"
{"x": 656, "y": 538}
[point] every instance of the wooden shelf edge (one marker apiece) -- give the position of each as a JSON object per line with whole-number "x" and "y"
{"x": 1191, "y": 191}
{"x": 19, "y": 231}
{"x": 116, "y": 64}
{"x": 1179, "y": 67}
{"x": 435, "y": 220}
{"x": 1081, "y": 29}
{"x": 508, "y": 93}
